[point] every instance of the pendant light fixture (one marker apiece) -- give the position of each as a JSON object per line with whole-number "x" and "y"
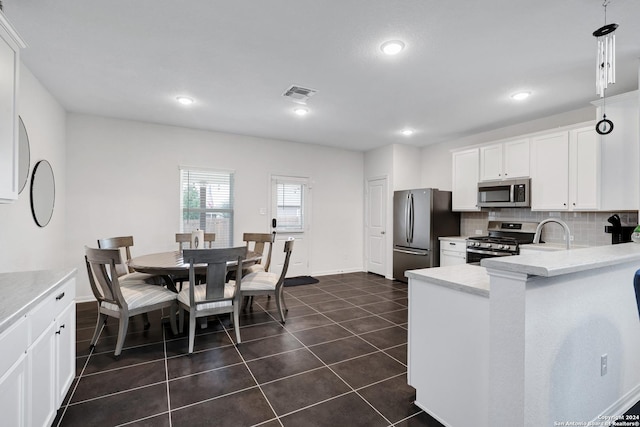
{"x": 605, "y": 66}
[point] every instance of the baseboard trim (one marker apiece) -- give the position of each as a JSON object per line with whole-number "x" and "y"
{"x": 619, "y": 407}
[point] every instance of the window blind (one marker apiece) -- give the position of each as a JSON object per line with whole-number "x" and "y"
{"x": 206, "y": 203}
{"x": 289, "y": 205}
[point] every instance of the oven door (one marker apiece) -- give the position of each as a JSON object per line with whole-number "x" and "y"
{"x": 475, "y": 255}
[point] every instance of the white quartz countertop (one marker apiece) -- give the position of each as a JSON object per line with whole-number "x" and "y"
{"x": 467, "y": 278}
{"x": 21, "y": 291}
{"x": 555, "y": 263}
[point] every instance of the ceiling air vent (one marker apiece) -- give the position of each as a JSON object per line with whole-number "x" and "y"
{"x": 299, "y": 94}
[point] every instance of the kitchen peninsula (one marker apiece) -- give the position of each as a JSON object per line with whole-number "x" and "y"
{"x": 527, "y": 340}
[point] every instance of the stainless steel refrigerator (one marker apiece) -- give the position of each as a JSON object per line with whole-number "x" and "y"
{"x": 420, "y": 217}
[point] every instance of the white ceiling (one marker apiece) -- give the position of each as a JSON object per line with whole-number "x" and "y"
{"x": 130, "y": 59}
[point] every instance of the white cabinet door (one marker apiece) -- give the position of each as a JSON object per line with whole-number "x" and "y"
{"x": 550, "y": 172}
{"x": 42, "y": 379}
{"x": 505, "y": 160}
{"x": 516, "y": 159}
{"x": 584, "y": 169}
{"x": 491, "y": 162}
{"x": 10, "y": 44}
{"x": 65, "y": 352}
{"x": 465, "y": 180}
{"x": 620, "y": 154}
{"x": 13, "y": 387}
{"x": 13, "y": 374}
{"x": 451, "y": 258}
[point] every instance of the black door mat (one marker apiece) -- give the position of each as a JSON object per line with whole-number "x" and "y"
{"x": 300, "y": 280}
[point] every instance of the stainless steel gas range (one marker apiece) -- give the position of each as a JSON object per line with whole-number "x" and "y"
{"x": 504, "y": 239}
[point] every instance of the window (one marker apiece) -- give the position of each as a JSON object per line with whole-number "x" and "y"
{"x": 289, "y": 206}
{"x": 206, "y": 203}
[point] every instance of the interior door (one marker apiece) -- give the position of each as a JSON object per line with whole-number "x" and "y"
{"x": 376, "y": 220}
{"x": 290, "y": 208}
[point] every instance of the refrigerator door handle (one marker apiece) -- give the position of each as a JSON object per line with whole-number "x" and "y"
{"x": 412, "y": 251}
{"x": 411, "y": 219}
{"x": 406, "y": 218}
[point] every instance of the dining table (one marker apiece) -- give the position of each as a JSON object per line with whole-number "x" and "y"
{"x": 172, "y": 267}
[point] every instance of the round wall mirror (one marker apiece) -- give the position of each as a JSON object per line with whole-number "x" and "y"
{"x": 43, "y": 193}
{"x": 24, "y": 156}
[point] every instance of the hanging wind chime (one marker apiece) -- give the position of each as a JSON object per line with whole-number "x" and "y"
{"x": 605, "y": 67}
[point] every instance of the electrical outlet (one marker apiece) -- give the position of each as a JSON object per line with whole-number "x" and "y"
{"x": 479, "y": 232}
{"x": 571, "y": 238}
{"x": 604, "y": 365}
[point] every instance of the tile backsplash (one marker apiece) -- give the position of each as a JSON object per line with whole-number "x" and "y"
{"x": 587, "y": 228}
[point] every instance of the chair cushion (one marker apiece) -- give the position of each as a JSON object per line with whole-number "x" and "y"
{"x": 200, "y": 294}
{"x": 259, "y": 281}
{"x": 141, "y": 295}
{"x": 255, "y": 268}
{"x": 140, "y": 278}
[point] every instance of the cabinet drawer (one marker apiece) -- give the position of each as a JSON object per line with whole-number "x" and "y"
{"x": 448, "y": 245}
{"x": 13, "y": 342}
{"x": 47, "y": 311}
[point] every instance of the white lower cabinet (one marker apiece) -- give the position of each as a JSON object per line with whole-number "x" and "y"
{"x": 65, "y": 352}
{"x": 38, "y": 366}
{"x": 41, "y": 359}
{"x": 452, "y": 252}
{"x": 13, "y": 374}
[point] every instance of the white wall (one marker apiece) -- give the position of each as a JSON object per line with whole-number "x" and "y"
{"x": 378, "y": 163}
{"x": 406, "y": 167}
{"x": 25, "y": 246}
{"x": 123, "y": 179}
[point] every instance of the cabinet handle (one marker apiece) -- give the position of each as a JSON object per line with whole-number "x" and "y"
{"x": 452, "y": 243}
{"x": 574, "y": 203}
{"x": 59, "y": 297}
{"x": 59, "y": 330}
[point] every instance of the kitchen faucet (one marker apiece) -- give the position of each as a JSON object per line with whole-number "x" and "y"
{"x": 565, "y": 227}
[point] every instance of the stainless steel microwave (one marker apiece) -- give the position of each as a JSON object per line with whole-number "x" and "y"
{"x": 509, "y": 193}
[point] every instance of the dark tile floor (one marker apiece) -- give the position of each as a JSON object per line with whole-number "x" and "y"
{"x": 340, "y": 359}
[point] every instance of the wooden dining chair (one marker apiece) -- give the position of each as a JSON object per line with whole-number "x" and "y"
{"x": 257, "y": 242}
{"x": 182, "y": 238}
{"x": 122, "y": 301}
{"x": 267, "y": 283}
{"x": 126, "y": 274}
{"x": 214, "y": 296}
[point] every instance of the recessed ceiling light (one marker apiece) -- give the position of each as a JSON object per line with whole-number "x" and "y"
{"x": 407, "y": 132}
{"x": 520, "y": 96}
{"x": 185, "y": 100}
{"x": 301, "y": 111}
{"x": 392, "y": 47}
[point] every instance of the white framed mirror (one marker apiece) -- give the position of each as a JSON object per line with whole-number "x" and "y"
{"x": 43, "y": 193}
{"x": 24, "y": 156}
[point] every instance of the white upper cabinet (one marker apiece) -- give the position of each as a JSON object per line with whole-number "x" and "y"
{"x": 620, "y": 153}
{"x": 505, "y": 160}
{"x": 10, "y": 45}
{"x": 584, "y": 169}
{"x": 465, "y": 180}
{"x": 565, "y": 171}
{"x": 550, "y": 172}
